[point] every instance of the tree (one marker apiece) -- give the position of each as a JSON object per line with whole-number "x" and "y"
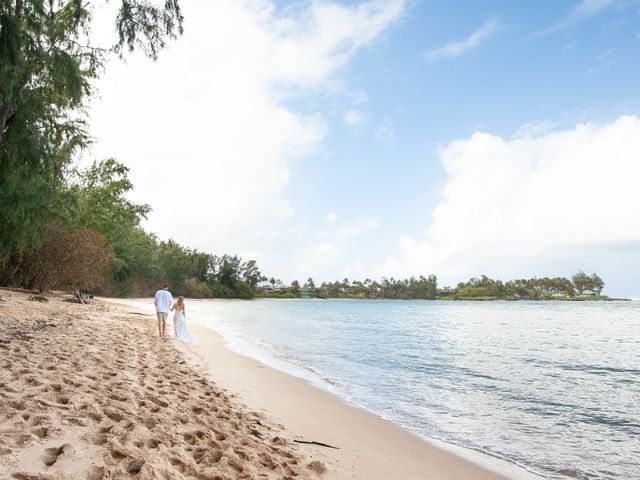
{"x": 597, "y": 283}
{"x": 173, "y": 263}
{"x": 250, "y": 274}
{"x": 101, "y": 201}
{"x": 96, "y": 198}
{"x": 295, "y": 288}
{"x": 47, "y": 64}
{"x": 309, "y": 286}
{"x": 68, "y": 260}
{"x": 581, "y": 282}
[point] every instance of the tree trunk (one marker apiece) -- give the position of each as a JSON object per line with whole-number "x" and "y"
{"x": 4, "y": 116}
{"x": 5, "y": 109}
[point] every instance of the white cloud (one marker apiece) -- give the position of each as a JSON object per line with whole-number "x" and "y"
{"x": 533, "y": 129}
{"x": 588, "y": 8}
{"x": 604, "y": 55}
{"x": 332, "y": 217}
{"x": 385, "y": 132}
{"x": 353, "y": 118}
{"x": 359, "y": 97}
{"x": 599, "y": 61}
{"x": 323, "y": 257}
{"x": 455, "y": 49}
{"x": 579, "y": 13}
{"x": 508, "y": 206}
{"x": 205, "y": 129}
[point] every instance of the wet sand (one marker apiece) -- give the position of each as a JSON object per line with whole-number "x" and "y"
{"x": 369, "y": 447}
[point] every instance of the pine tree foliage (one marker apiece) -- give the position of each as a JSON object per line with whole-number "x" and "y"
{"x": 47, "y": 64}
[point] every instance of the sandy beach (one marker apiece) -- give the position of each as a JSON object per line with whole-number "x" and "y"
{"x": 90, "y": 392}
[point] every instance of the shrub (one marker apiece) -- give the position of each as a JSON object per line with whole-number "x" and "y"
{"x": 67, "y": 260}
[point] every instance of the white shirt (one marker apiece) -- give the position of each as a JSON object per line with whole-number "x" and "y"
{"x": 163, "y": 301}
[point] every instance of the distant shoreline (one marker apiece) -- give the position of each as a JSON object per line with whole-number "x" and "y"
{"x": 593, "y": 298}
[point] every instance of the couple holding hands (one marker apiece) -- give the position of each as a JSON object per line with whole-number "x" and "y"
{"x": 164, "y": 303}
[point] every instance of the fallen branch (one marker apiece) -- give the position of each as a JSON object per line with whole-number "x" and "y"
{"x": 77, "y": 297}
{"x": 313, "y": 442}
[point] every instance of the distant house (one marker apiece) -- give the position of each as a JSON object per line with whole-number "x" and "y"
{"x": 445, "y": 292}
{"x": 586, "y": 293}
{"x": 267, "y": 288}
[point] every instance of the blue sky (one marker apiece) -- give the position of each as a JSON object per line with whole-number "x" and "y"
{"x": 583, "y": 72}
{"x": 346, "y": 114}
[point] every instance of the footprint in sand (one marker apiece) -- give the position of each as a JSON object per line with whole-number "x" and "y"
{"x": 95, "y": 473}
{"x": 134, "y": 466}
{"x": 41, "y": 432}
{"x": 153, "y": 443}
{"x": 51, "y": 455}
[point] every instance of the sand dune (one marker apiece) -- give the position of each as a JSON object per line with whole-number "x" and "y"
{"x": 90, "y": 392}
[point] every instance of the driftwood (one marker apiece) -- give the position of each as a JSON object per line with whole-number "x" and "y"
{"x": 313, "y": 442}
{"x": 77, "y": 297}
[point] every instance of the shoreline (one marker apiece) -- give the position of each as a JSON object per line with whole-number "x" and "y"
{"x": 439, "y": 299}
{"x": 371, "y": 447}
{"x": 90, "y": 392}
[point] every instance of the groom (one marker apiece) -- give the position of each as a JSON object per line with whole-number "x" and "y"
{"x": 163, "y": 301}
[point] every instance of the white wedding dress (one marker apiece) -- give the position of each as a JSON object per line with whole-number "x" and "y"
{"x": 180, "y": 326}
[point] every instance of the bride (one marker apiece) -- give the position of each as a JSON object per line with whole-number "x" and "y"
{"x": 179, "y": 323}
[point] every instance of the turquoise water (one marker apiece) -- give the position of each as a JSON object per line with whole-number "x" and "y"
{"x": 551, "y": 386}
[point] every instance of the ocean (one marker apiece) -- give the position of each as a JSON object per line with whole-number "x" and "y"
{"x": 551, "y": 386}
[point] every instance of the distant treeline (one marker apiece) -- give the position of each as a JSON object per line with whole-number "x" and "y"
{"x": 579, "y": 285}
{"x": 411, "y": 288}
{"x": 533, "y": 288}
{"x": 90, "y": 238}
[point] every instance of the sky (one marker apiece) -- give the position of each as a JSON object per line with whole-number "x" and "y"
{"x": 366, "y": 139}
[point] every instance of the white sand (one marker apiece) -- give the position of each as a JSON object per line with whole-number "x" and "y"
{"x": 90, "y": 392}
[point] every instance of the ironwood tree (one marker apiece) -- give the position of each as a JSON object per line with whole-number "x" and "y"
{"x": 48, "y": 60}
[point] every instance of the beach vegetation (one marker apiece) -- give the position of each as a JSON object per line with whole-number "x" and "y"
{"x": 580, "y": 287}
{"x": 309, "y": 288}
{"x": 583, "y": 283}
{"x": 48, "y": 62}
{"x": 95, "y": 241}
{"x": 555, "y": 288}
{"x": 67, "y": 260}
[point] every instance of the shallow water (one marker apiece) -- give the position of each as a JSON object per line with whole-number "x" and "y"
{"x": 551, "y": 386}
